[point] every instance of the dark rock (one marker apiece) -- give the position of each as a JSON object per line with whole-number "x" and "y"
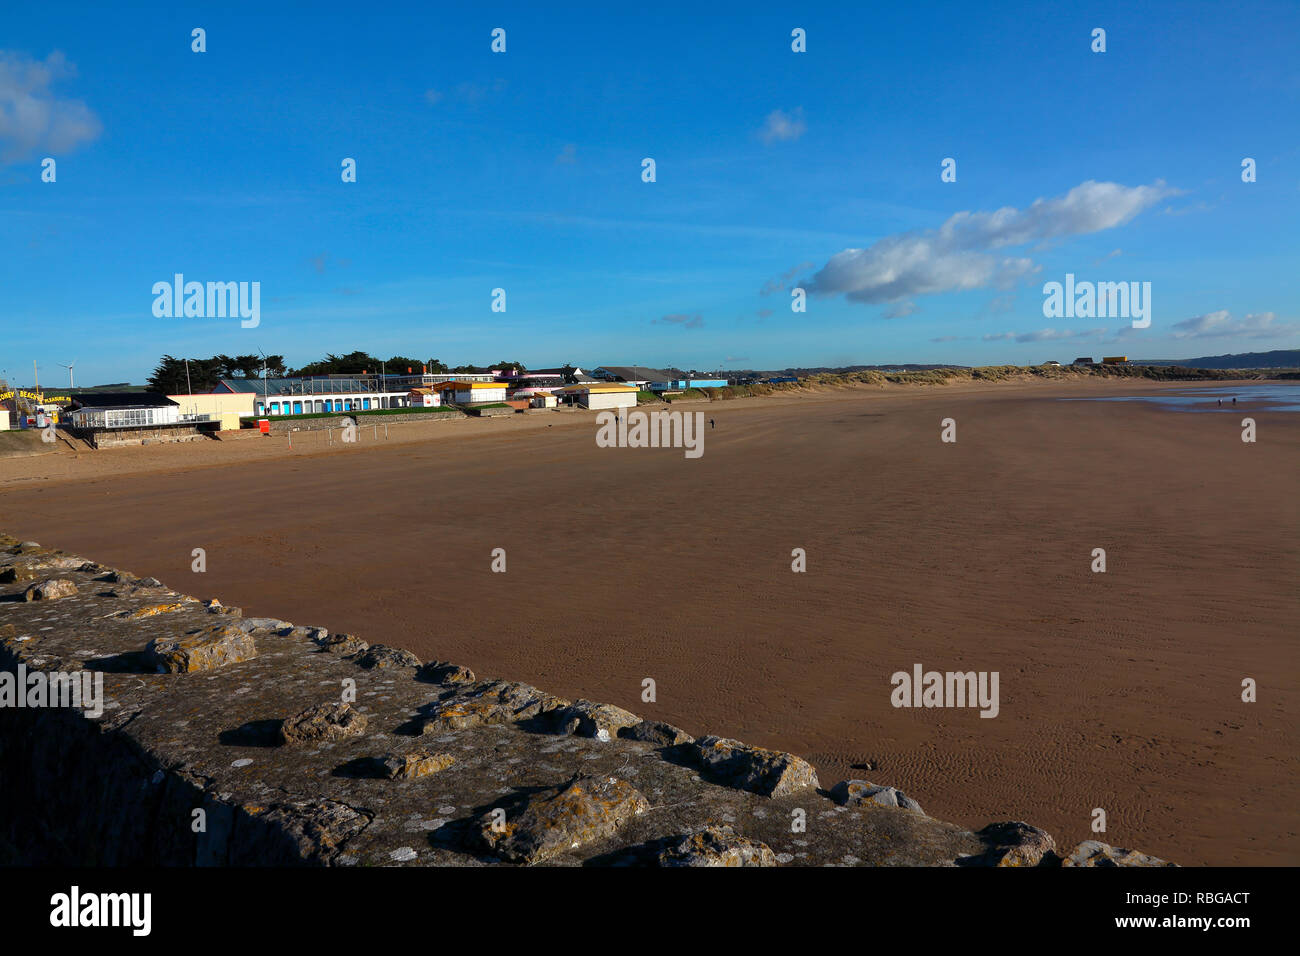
{"x": 716, "y": 846}
{"x": 295, "y": 833}
{"x": 657, "y": 732}
{"x": 857, "y": 793}
{"x": 344, "y": 645}
{"x": 50, "y": 590}
{"x": 771, "y": 773}
{"x": 1096, "y": 853}
{"x": 443, "y": 672}
{"x": 418, "y": 763}
{"x": 323, "y": 722}
{"x": 1014, "y": 843}
{"x": 381, "y": 655}
{"x": 553, "y": 822}
{"x": 489, "y": 702}
{"x": 211, "y": 647}
{"x": 589, "y": 719}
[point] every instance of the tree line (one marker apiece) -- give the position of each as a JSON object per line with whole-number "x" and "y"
{"x": 180, "y": 375}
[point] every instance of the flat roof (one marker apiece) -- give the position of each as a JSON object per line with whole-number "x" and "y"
{"x": 603, "y": 387}
{"x": 123, "y": 400}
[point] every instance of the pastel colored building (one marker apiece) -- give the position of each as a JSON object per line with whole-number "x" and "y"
{"x": 602, "y": 395}
{"x": 306, "y": 396}
{"x": 424, "y": 397}
{"x": 472, "y": 393}
{"x": 681, "y": 384}
{"x": 224, "y": 408}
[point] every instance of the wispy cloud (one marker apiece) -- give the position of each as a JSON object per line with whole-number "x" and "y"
{"x": 568, "y": 155}
{"x": 902, "y": 310}
{"x": 961, "y": 254}
{"x": 783, "y": 127}
{"x": 1217, "y": 324}
{"x": 680, "y": 320}
{"x": 1043, "y": 335}
{"x": 33, "y": 118}
{"x": 469, "y": 93}
{"x": 781, "y": 281}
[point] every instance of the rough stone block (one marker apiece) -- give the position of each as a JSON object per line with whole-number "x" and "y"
{"x": 323, "y": 722}
{"x": 489, "y": 702}
{"x": 1017, "y": 844}
{"x": 444, "y": 672}
{"x": 1096, "y": 853}
{"x": 589, "y": 719}
{"x": 211, "y": 647}
{"x": 584, "y": 811}
{"x": 856, "y": 793}
{"x": 50, "y": 590}
{"x": 716, "y": 846}
{"x": 771, "y": 773}
{"x": 657, "y": 732}
{"x": 418, "y": 763}
{"x": 381, "y": 656}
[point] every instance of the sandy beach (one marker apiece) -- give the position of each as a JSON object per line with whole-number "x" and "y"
{"x": 1118, "y": 690}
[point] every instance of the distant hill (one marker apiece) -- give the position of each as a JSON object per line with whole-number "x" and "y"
{"x": 1278, "y": 358}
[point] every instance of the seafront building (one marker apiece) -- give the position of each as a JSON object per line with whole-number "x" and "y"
{"x": 306, "y": 396}
{"x": 600, "y": 395}
{"x": 104, "y": 419}
{"x": 226, "y": 408}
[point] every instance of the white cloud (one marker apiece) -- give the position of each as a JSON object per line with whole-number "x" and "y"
{"x": 783, "y": 127}
{"x": 961, "y": 254}
{"x": 1221, "y": 323}
{"x": 33, "y": 119}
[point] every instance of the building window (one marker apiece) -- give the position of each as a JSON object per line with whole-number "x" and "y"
{"x": 297, "y": 408}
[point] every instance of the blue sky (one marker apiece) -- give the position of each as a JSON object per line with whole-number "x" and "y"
{"x": 522, "y": 171}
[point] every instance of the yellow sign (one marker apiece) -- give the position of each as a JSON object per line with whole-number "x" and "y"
{"x": 34, "y": 396}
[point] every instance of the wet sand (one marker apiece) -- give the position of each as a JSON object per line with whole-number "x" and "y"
{"x": 1119, "y": 690}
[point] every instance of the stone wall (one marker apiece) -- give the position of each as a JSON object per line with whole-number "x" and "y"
{"x": 115, "y": 437}
{"x": 227, "y": 740}
{"x": 304, "y": 424}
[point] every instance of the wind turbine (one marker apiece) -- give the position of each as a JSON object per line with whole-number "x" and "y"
{"x": 69, "y": 368}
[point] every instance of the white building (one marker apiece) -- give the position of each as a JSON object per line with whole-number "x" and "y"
{"x": 306, "y": 396}
{"x": 472, "y": 393}
{"x": 124, "y": 410}
{"x": 603, "y": 395}
{"x": 424, "y": 397}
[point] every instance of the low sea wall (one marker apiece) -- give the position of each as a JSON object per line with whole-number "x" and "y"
{"x": 225, "y": 740}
